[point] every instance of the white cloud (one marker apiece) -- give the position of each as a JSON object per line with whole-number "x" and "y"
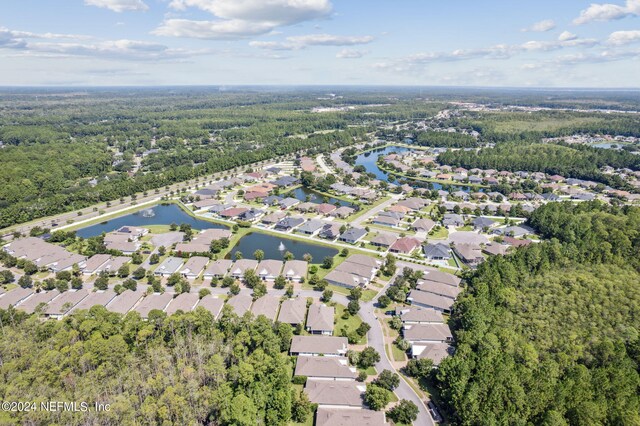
{"x": 59, "y": 45}
{"x": 567, "y": 36}
{"x": 304, "y": 41}
{"x": 212, "y": 30}
{"x": 496, "y": 52}
{"x": 116, "y": 49}
{"x": 619, "y": 38}
{"x": 242, "y": 18}
{"x": 608, "y": 12}
{"x": 350, "y": 54}
{"x": 118, "y": 5}
{"x": 541, "y": 27}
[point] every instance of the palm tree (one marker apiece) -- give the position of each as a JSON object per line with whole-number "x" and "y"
{"x": 258, "y": 255}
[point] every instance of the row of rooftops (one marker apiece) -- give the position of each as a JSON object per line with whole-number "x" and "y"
{"x": 57, "y": 305}
{"x": 267, "y": 269}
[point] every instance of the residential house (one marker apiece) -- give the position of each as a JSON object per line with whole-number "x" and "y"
{"x": 212, "y": 304}
{"x": 63, "y": 304}
{"x": 330, "y": 231}
{"x": 320, "y": 319}
{"x": 416, "y": 315}
{"x": 427, "y": 333}
{"x": 335, "y": 394}
{"x": 441, "y": 277}
{"x": 438, "y": 288}
{"x": 293, "y": 311}
{"x": 383, "y": 239}
{"x": 194, "y": 267}
{"x": 469, "y": 254}
{"x": 288, "y": 223}
{"x": 423, "y": 225}
{"x": 295, "y": 270}
{"x": 405, "y": 245}
{"x": 289, "y": 202}
{"x": 269, "y": 269}
{"x": 430, "y": 300}
{"x": 325, "y": 368}
{"x": 311, "y": 227}
{"x": 153, "y": 302}
{"x": 240, "y": 303}
{"x": 452, "y": 219}
{"x": 232, "y": 213}
{"x": 437, "y": 251}
{"x": 267, "y": 306}
{"x": 325, "y": 208}
{"x": 273, "y": 218}
{"x": 184, "y": 302}
{"x": 126, "y": 300}
{"x": 318, "y": 346}
{"x": 241, "y": 266}
{"x": 481, "y": 223}
{"x": 385, "y": 221}
{"x": 169, "y": 266}
{"x": 217, "y": 269}
{"x": 435, "y": 351}
{"x": 342, "y": 212}
{"x": 340, "y": 417}
{"x": 352, "y": 235}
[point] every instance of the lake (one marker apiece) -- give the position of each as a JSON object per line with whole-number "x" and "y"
{"x": 157, "y": 215}
{"x": 369, "y": 160}
{"x": 301, "y": 194}
{"x": 275, "y": 247}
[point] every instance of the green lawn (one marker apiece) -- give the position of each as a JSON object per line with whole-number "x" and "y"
{"x": 440, "y": 234}
{"x": 371, "y": 371}
{"x": 351, "y": 323}
{"x": 398, "y": 354}
{"x": 366, "y": 207}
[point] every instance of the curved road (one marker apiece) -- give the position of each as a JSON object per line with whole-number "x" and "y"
{"x": 375, "y": 339}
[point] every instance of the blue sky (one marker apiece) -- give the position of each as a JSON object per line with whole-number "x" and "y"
{"x": 528, "y": 43}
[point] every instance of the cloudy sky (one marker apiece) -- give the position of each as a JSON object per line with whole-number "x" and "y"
{"x": 547, "y": 43}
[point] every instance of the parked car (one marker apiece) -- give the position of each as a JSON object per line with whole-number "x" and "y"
{"x": 433, "y": 410}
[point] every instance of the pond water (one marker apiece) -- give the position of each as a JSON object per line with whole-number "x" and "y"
{"x": 369, "y": 161}
{"x": 301, "y": 194}
{"x": 275, "y": 247}
{"x": 157, "y": 215}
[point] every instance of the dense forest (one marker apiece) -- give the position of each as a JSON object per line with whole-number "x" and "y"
{"x": 550, "y": 334}
{"x": 54, "y": 145}
{"x": 533, "y": 126}
{"x": 184, "y": 369}
{"x": 575, "y": 161}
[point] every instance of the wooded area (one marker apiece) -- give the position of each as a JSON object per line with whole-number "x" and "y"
{"x": 183, "y": 369}
{"x": 549, "y": 335}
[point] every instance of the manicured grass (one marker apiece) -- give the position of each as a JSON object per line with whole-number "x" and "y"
{"x": 105, "y": 217}
{"x": 390, "y": 229}
{"x": 350, "y": 324}
{"x": 371, "y": 371}
{"x": 440, "y": 234}
{"x": 398, "y": 354}
{"x": 466, "y": 228}
{"x": 366, "y": 207}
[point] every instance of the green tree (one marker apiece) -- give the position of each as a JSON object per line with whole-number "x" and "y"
{"x": 279, "y": 283}
{"x": 376, "y": 397}
{"x": 387, "y": 380}
{"x": 123, "y": 271}
{"x": 327, "y": 262}
{"x": 258, "y": 255}
{"x": 368, "y": 357}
